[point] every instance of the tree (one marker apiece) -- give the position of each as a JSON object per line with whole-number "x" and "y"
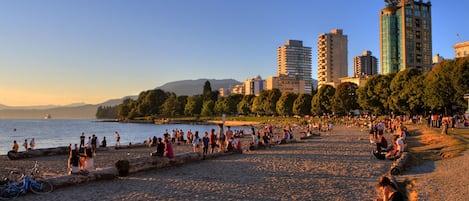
{"x": 168, "y": 108}
{"x": 406, "y": 91}
{"x": 207, "y": 108}
{"x": 106, "y": 112}
{"x": 150, "y": 102}
{"x": 461, "y": 80}
{"x": 220, "y": 106}
{"x": 374, "y": 94}
{"x": 439, "y": 89}
{"x": 322, "y": 101}
{"x": 285, "y": 104}
{"x": 232, "y": 102}
{"x": 124, "y": 109}
{"x": 270, "y": 103}
{"x": 244, "y": 106}
{"x": 302, "y": 104}
{"x": 207, "y": 92}
{"x": 194, "y": 105}
{"x": 345, "y": 98}
{"x": 181, "y": 104}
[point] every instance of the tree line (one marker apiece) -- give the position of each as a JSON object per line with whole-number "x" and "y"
{"x": 410, "y": 91}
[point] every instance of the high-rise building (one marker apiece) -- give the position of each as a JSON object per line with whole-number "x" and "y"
{"x": 332, "y": 57}
{"x": 406, "y": 36}
{"x": 294, "y": 67}
{"x": 365, "y": 65}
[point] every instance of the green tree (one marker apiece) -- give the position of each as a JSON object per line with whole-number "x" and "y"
{"x": 207, "y": 92}
{"x": 220, "y": 106}
{"x": 373, "y": 96}
{"x": 207, "y": 108}
{"x": 285, "y": 104}
{"x": 150, "y": 102}
{"x": 194, "y": 105}
{"x": 169, "y": 106}
{"x": 270, "y": 103}
{"x": 406, "y": 91}
{"x": 439, "y": 89}
{"x": 461, "y": 80}
{"x": 345, "y": 98}
{"x": 124, "y": 109}
{"x": 244, "y": 106}
{"x": 322, "y": 101}
{"x": 181, "y": 104}
{"x": 106, "y": 112}
{"x": 302, "y": 104}
{"x": 232, "y": 103}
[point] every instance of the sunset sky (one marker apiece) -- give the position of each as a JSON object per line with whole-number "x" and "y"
{"x": 62, "y": 52}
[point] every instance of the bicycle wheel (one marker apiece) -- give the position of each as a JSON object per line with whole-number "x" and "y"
{"x": 41, "y": 187}
{"x": 10, "y": 192}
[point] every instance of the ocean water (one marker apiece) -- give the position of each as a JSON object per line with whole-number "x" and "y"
{"x": 62, "y": 132}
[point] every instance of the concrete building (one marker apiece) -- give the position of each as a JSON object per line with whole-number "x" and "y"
{"x": 365, "y": 65}
{"x": 253, "y": 86}
{"x": 406, "y": 36}
{"x": 332, "y": 57}
{"x": 294, "y": 68}
{"x": 461, "y": 49}
{"x": 238, "y": 89}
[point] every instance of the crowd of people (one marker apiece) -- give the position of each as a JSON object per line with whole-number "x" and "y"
{"x": 81, "y": 157}
{"x": 27, "y": 146}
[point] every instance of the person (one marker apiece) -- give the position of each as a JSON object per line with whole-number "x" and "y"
{"x": 398, "y": 148}
{"x": 82, "y": 139}
{"x": 330, "y": 128}
{"x": 118, "y": 139}
{"x": 213, "y": 140}
{"x": 25, "y": 144}
{"x": 154, "y": 141}
{"x": 94, "y": 143}
{"x": 104, "y": 142}
{"x": 196, "y": 142}
{"x": 206, "y": 141}
{"x": 15, "y": 147}
{"x": 389, "y": 190}
{"x": 168, "y": 149}
{"x": 89, "y": 164}
{"x": 32, "y": 144}
{"x": 160, "y": 147}
{"x": 228, "y": 135}
{"x": 74, "y": 160}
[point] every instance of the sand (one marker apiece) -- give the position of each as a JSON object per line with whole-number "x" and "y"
{"x": 331, "y": 167}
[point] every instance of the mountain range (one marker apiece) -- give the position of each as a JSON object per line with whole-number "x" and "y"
{"x": 83, "y": 110}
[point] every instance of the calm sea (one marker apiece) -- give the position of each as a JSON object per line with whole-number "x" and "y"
{"x": 62, "y": 132}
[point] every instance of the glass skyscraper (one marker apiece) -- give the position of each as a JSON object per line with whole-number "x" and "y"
{"x": 406, "y": 36}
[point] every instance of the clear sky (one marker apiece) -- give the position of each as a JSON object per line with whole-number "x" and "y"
{"x": 62, "y": 52}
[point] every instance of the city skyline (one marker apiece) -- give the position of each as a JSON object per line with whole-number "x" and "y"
{"x": 63, "y": 52}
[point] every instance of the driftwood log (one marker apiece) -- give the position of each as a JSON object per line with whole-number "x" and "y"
{"x": 70, "y": 180}
{"x": 43, "y": 152}
{"x": 398, "y": 166}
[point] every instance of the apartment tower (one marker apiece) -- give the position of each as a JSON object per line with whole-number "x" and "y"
{"x": 406, "y": 36}
{"x": 332, "y": 57}
{"x": 365, "y": 65}
{"x": 294, "y": 67}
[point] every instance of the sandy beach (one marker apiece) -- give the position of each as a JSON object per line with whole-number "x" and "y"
{"x": 330, "y": 167}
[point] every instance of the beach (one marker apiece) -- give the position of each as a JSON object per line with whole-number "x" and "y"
{"x": 337, "y": 166}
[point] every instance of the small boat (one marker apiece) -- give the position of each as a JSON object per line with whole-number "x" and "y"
{"x": 47, "y": 116}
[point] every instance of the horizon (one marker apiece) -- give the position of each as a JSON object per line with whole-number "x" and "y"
{"x": 66, "y": 52}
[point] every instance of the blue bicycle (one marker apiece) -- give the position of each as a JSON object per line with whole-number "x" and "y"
{"x": 27, "y": 182}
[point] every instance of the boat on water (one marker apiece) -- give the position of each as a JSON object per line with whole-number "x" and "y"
{"x": 47, "y": 116}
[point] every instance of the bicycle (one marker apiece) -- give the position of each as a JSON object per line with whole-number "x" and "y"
{"x": 28, "y": 182}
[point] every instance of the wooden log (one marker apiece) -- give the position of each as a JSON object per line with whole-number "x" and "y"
{"x": 74, "y": 179}
{"x": 398, "y": 166}
{"x": 38, "y": 152}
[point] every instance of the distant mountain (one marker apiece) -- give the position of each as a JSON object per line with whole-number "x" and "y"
{"x": 195, "y": 87}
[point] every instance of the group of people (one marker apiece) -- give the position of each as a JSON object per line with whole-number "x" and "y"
{"x": 81, "y": 157}
{"x": 383, "y": 149}
{"x": 27, "y": 146}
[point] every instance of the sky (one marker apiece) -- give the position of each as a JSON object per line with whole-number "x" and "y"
{"x": 62, "y": 52}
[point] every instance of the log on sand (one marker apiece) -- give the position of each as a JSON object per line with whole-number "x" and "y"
{"x": 398, "y": 166}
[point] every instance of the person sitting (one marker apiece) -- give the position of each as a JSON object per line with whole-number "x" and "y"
{"x": 74, "y": 160}
{"x": 389, "y": 189}
{"x": 168, "y": 149}
{"x": 160, "y": 147}
{"x": 104, "y": 143}
{"x": 398, "y": 149}
{"x": 15, "y": 147}
{"x": 89, "y": 165}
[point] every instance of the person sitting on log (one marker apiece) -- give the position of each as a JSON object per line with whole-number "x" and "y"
{"x": 398, "y": 148}
{"x": 168, "y": 149}
{"x": 74, "y": 160}
{"x": 160, "y": 147}
{"x": 15, "y": 147}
